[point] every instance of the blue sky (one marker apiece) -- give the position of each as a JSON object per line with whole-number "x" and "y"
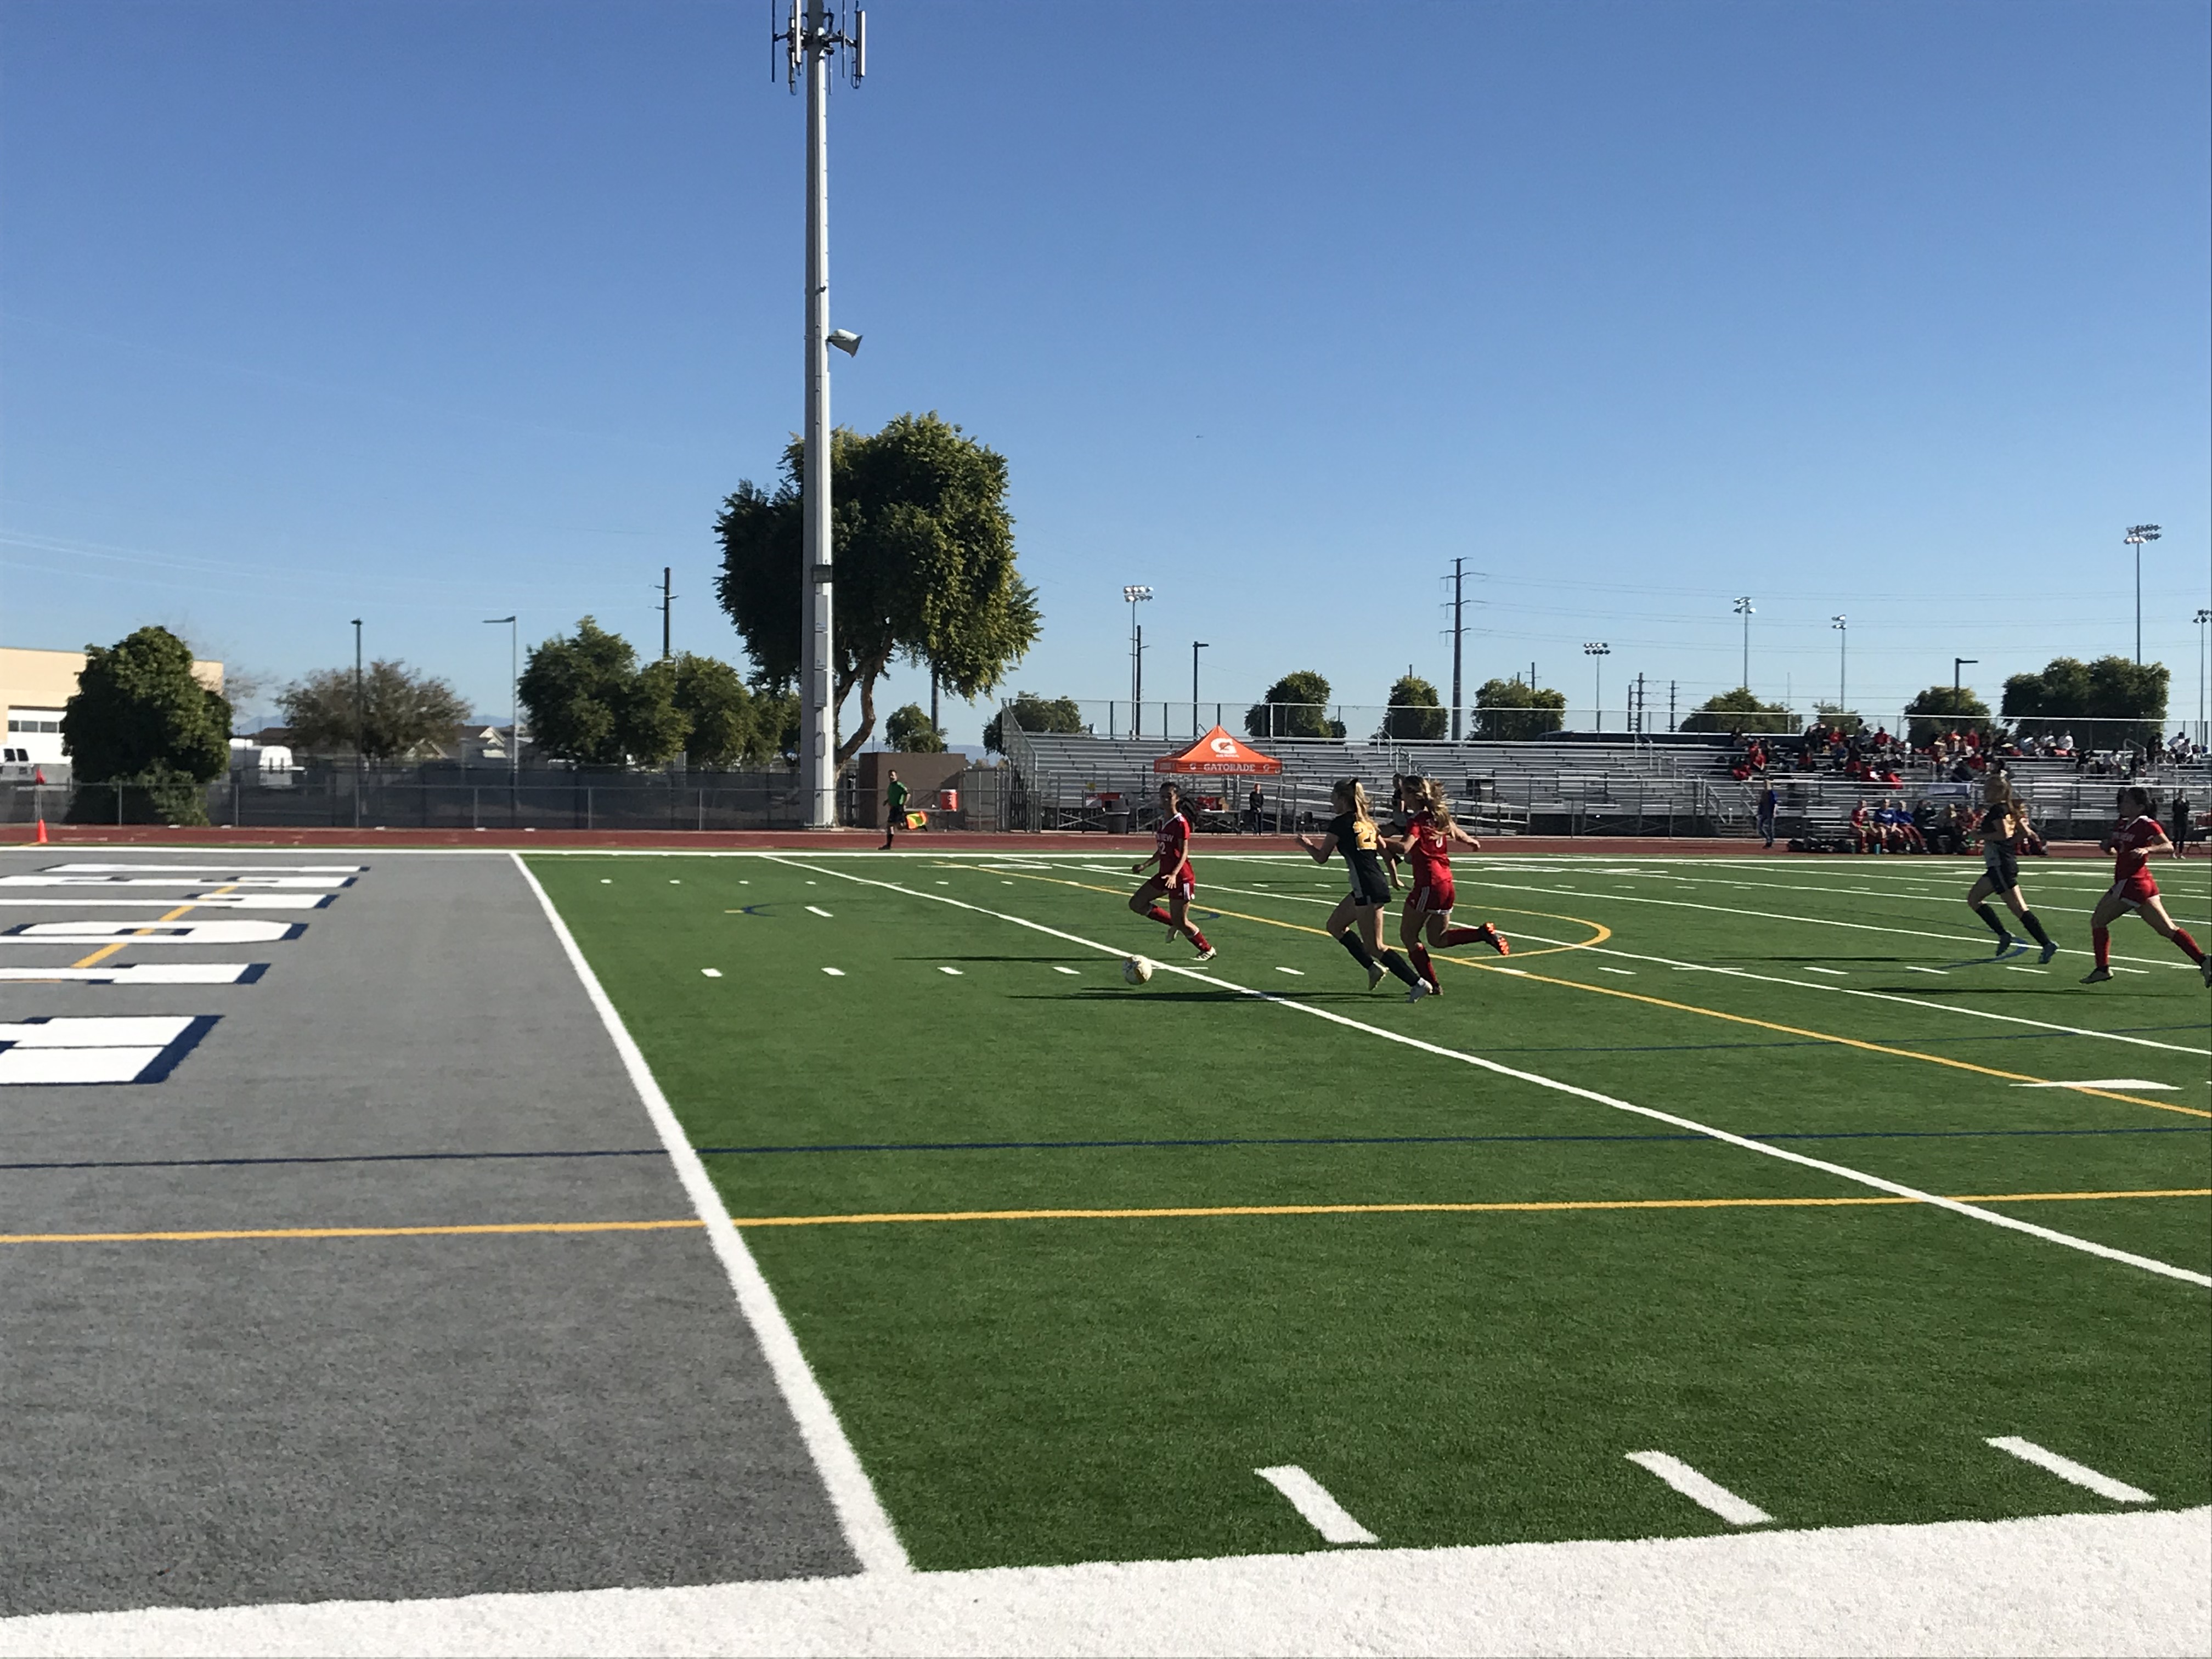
{"x": 426, "y": 312}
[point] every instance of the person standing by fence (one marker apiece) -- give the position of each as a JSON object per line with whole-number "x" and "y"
{"x": 894, "y": 810}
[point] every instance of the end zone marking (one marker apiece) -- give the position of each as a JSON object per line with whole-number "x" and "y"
{"x": 1312, "y": 1500}
{"x": 1701, "y": 1490}
{"x": 2067, "y": 1470}
{"x": 867, "y": 1529}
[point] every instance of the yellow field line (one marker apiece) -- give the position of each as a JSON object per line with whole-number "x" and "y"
{"x": 1162, "y": 1214}
{"x": 107, "y": 951}
{"x": 1692, "y": 1008}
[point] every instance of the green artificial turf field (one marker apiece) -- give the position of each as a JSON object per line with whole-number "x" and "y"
{"x": 1026, "y": 1383}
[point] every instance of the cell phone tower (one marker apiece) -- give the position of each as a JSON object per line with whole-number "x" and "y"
{"x": 814, "y": 30}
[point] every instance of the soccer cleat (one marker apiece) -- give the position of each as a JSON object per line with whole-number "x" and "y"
{"x": 1494, "y": 940}
{"x": 1208, "y": 954}
{"x": 1377, "y": 973}
{"x": 2096, "y": 976}
{"x": 2205, "y": 969}
{"x": 2006, "y": 945}
{"x": 1417, "y": 990}
{"x": 1437, "y": 989}
{"x": 2051, "y": 951}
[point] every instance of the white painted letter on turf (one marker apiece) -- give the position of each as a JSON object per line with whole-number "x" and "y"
{"x": 1312, "y": 1500}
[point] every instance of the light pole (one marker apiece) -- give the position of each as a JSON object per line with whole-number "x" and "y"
{"x": 1134, "y": 595}
{"x": 809, "y": 40}
{"x": 359, "y": 726}
{"x": 1841, "y": 624}
{"x": 1597, "y": 651}
{"x": 514, "y": 694}
{"x": 1744, "y": 610}
{"x": 1196, "y": 645}
{"x": 2203, "y": 620}
{"x": 2137, "y": 536}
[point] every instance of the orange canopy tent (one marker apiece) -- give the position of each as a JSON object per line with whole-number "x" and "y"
{"x": 1220, "y": 754}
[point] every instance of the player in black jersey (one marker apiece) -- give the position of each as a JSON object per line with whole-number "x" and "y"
{"x": 1356, "y": 921}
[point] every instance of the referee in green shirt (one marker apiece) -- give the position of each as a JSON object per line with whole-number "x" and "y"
{"x": 894, "y": 809}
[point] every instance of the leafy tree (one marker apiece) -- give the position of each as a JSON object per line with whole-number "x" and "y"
{"x": 1940, "y": 709}
{"x": 139, "y": 718}
{"x": 2109, "y": 689}
{"x": 589, "y": 702}
{"x": 1034, "y": 714}
{"x": 775, "y": 726}
{"x": 652, "y": 729}
{"x": 724, "y": 720}
{"x": 923, "y": 547}
{"x": 1415, "y": 710}
{"x": 910, "y": 732}
{"x": 1510, "y": 709}
{"x": 1739, "y": 711}
{"x": 397, "y": 713}
{"x": 1296, "y": 706}
{"x": 1845, "y": 721}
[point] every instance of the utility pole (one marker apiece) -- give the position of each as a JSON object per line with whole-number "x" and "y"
{"x": 1957, "y": 662}
{"x": 667, "y": 599}
{"x": 808, "y": 40}
{"x": 1137, "y": 710}
{"x": 1744, "y": 610}
{"x": 1459, "y": 638}
{"x": 359, "y": 726}
{"x": 1670, "y": 705}
{"x": 1196, "y": 645}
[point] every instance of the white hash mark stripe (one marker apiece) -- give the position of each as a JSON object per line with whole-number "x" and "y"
{"x": 1701, "y": 1490}
{"x": 712, "y": 973}
{"x": 835, "y": 973}
{"x": 955, "y": 972}
{"x": 2102, "y": 1083}
{"x": 1311, "y": 1499}
{"x": 2067, "y": 1470}
{"x": 817, "y": 910}
{"x": 1057, "y": 968}
{"x": 1859, "y": 1177}
{"x": 867, "y": 1527}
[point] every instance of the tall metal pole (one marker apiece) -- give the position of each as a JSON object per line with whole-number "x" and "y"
{"x": 2203, "y": 619}
{"x": 818, "y": 757}
{"x": 1459, "y": 636}
{"x": 1841, "y": 624}
{"x": 2137, "y": 536}
{"x": 667, "y": 602}
{"x": 359, "y": 726}
{"x": 514, "y": 693}
{"x": 1744, "y": 608}
{"x": 1196, "y": 645}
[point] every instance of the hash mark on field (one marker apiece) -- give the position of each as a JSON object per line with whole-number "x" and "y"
{"x": 712, "y": 973}
{"x": 955, "y": 972}
{"x": 1700, "y": 1490}
{"x": 1909, "y": 969}
{"x": 2010, "y": 968}
{"x": 2118, "y": 970}
{"x": 819, "y": 911}
{"x": 2102, "y": 1083}
{"x": 2067, "y": 1470}
{"x": 606, "y": 881}
{"x": 1837, "y": 972}
{"x": 1311, "y": 1499}
{"x": 1296, "y": 973}
{"x": 1626, "y": 973}
{"x": 1057, "y": 968}
{"x": 835, "y": 973}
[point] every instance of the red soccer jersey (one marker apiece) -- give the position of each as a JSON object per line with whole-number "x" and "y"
{"x": 2131, "y": 844}
{"x": 1430, "y": 849}
{"x": 1172, "y": 840}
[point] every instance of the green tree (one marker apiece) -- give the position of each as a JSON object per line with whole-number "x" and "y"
{"x": 909, "y": 731}
{"x": 2109, "y": 689}
{"x": 1739, "y": 711}
{"x": 1940, "y": 709}
{"x": 724, "y": 720}
{"x": 139, "y": 718}
{"x": 1034, "y": 714}
{"x": 1296, "y": 706}
{"x": 652, "y": 730}
{"x": 775, "y": 726}
{"x": 1510, "y": 709}
{"x": 577, "y": 691}
{"x": 1415, "y": 711}
{"x": 396, "y": 713}
{"x": 924, "y": 554}
{"x": 1844, "y": 720}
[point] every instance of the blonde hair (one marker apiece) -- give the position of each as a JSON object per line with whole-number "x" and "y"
{"x": 1436, "y": 804}
{"x": 1351, "y": 796}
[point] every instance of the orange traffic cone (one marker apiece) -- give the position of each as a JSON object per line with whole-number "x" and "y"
{"x": 42, "y": 830}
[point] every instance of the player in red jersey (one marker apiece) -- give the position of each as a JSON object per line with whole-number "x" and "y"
{"x": 1172, "y": 875}
{"x": 2132, "y": 842}
{"x": 1427, "y": 844}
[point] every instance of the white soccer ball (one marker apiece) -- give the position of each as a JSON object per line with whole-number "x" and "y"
{"x": 1136, "y": 970}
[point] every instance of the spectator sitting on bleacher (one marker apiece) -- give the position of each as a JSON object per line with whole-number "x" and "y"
{"x": 1862, "y": 829}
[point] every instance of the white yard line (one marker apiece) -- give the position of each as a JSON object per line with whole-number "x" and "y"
{"x": 1803, "y": 985}
{"x": 867, "y": 1529}
{"x": 2067, "y": 1470}
{"x": 1858, "y": 1176}
{"x": 1701, "y": 1490}
{"x": 1312, "y": 1500}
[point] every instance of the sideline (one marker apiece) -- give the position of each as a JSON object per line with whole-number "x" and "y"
{"x": 2165, "y": 1269}
{"x": 867, "y": 1529}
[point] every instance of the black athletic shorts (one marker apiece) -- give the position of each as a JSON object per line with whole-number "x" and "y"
{"x": 1369, "y": 885}
{"x": 2004, "y": 874}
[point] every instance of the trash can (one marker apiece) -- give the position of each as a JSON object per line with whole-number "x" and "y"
{"x": 1117, "y": 822}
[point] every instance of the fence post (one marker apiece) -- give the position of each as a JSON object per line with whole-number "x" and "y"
{"x": 587, "y": 806}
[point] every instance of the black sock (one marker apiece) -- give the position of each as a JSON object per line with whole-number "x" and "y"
{"x": 1357, "y": 947}
{"x": 1396, "y": 964}
{"x": 2035, "y": 928}
{"x": 1990, "y": 917}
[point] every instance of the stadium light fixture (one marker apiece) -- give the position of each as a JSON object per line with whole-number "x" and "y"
{"x": 2203, "y": 620}
{"x": 1841, "y": 624}
{"x": 1745, "y": 609}
{"x": 1957, "y": 662}
{"x": 2137, "y": 536}
{"x": 1135, "y": 594}
{"x": 845, "y": 341}
{"x": 1597, "y": 651}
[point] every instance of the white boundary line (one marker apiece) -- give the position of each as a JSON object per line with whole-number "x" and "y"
{"x": 867, "y": 1529}
{"x": 1859, "y": 1177}
{"x": 1702, "y": 1490}
{"x": 1315, "y": 1502}
{"x": 2067, "y": 1470}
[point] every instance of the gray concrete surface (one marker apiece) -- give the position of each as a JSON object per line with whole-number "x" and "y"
{"x": 213, "y": 1423}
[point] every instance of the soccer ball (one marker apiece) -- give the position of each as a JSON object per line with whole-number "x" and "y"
{"x": 1136, "y": 970}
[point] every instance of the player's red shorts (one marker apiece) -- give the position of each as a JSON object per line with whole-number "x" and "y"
{"x": 2134, "y": 889}
{"x": 1433, "y": 897}
{"x": 1184, "y": 881}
